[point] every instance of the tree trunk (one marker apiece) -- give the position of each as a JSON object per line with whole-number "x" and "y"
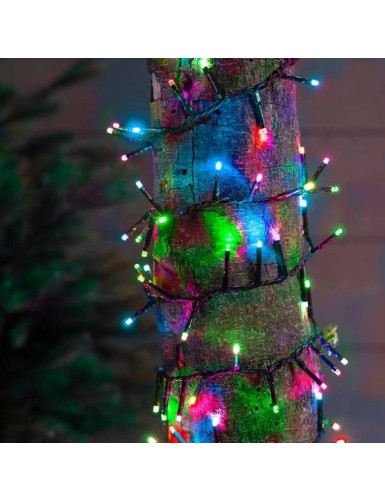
{"x": 260, "y": 394}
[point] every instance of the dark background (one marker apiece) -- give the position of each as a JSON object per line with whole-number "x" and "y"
{"x": 343, "y": 119}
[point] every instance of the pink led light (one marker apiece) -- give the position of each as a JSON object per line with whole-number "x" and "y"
{"x": 124, "y": 158}
{"x": 259, "y": 177}
{"x": 275, "y": 234}
{"x": 336, "y": 426}
{"x": 326, "y": 160}
{"x": 116, "y": 125}
{"x": 324, "y": 386}
{"x": 179, "y": 418}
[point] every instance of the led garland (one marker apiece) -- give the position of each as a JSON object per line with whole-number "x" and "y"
{"x": 156, "y": 215}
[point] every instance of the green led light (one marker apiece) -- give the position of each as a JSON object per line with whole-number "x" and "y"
{"x": 204, "y": 63}
{"x": 236, "y": 349}
{"x": 275, "y": 409}
{"x": 151, "y": 440}
{"x": 307, "y": 283}
{"x": 338, "y": 232}
{"x": 162, "y": 219}
{"x": 138, "y": 239}
{"x": 335, "y": 189}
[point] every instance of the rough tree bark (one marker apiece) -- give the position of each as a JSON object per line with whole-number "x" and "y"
{"x": 268, "y": 322}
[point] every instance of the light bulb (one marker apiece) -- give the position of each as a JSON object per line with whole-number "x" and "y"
{"x": 301, "y": 150}
{"x": 309, "y": 186}
{"x": 259, "y": 177}
{"x": 124, "y": 158}
{"x": 326, "y": 160}
{"x": 110, "y": 130}
{"x": 136, "y": 130}
{"x": 236, "y": 349}
{"x": 335, "y": 189}
{"x": 139, "y": 184}
{"x": 324, "y": 386}
{"x": 336, "y": 426}
{"x": 314, "y": 82}
{"x": 128, "y": 321}
{"x": 162, "y": 219}
{"x": 302, "y": 202}
{"x": 116, "y": 125}
{"x": 338, "y": 232}
{"x": 259, "y": 244}
{"x": 124, "y": 237}
{"x": 151, "y": 440}
{"x": 147, "y": 268}
{"x": 155, "y": 409}
{"x": 218, "y": 165}
{"x": 184, "y": 336}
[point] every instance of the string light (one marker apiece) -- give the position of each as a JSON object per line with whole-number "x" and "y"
{"x": 204, "y": 63}
{"x": 270, "y": 381}
{"x": 218, "y": 167}
{"x": 143, "y": 149}
{"x": 309, "y": 186}
{"x": 147, "y": 268}
{"x": 177, "y": 435}
{"x": 150, "y": 303}
{"x": 236, "y": 351}
{"x": 213, "y": 82}
{"x": 320, "y": 355}
{"x": 256, "y": 105}
{"x": 225, "y": 282}
{"x": 185, "y": 105}
{"x": 140, "y": 276}
{"x": 132, "y": 229}
{"x": 160, "y": 218}
{"x": 302, "y": 202}
{"x": 310, "y": 373}
{"x": 158, "y": 390}
{"x": 147, "y": 241}
{"x": 258, "y": 266}
{"x": 140, "y": 187}
{"x": 313, "y": 82}
{"x": 341, "y": 440}
{"x": 151, "y": 440}
{"x": 332, "y": 351}
{"x": 187, "y": 327}
{"x": 255, "y": 187}
{"x": 277, "y": 247}
{"x": 182, "y": 399}
{"x": 320, "y": 169}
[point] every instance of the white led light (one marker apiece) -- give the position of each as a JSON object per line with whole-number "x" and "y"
{"x": 124, "y": 237}
{"x": 259, "y": 244}
{"x": 139, "y": 184}
{"x": 336, "y": 426}
{"x": 344, "y": 361}
{"x": 184, "y": 336}
{"x": 324, "y": 386}
{"x": 155, "y": 409}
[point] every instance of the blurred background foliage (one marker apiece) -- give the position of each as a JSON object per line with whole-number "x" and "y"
{"x": 66, "y": 366}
